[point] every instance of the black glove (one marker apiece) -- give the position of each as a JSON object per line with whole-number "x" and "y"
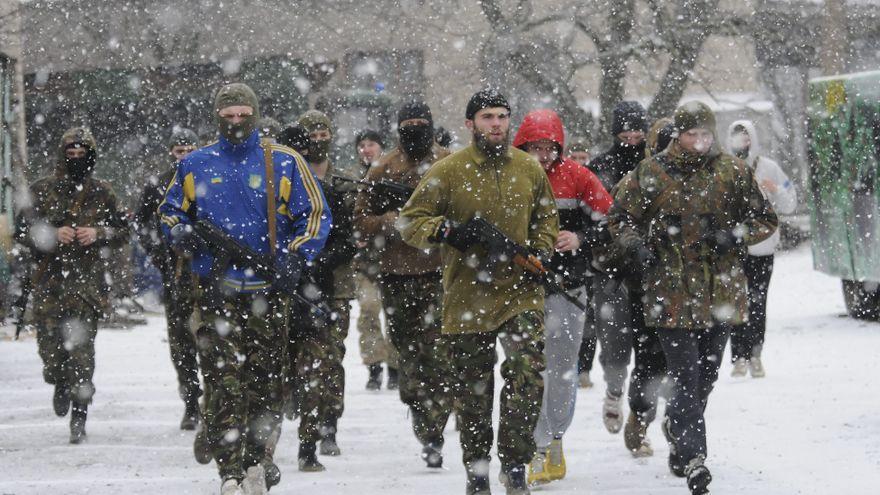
{"x": 288, "y": 270}
{"x": 184, "y": 239}
{"x": 722, "y": 242}
{"x": 461, "y": 236}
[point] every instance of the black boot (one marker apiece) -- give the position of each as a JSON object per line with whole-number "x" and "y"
{"x": 432, "y": 455}
{"x": 698, "y": 476}
{"x": 477, "y": 483}
{"x": 676, "y": 465}
{"x": 61, "y": 399}
{"x": 201, "y": 445}
{"x": 190, "y": 415}
{"x": 375, "y": 380}
{"x": 78, "y": 415}
{"x": 392, "y": 379}
{"x": 308, "y": 461}
{"x": 273, "y": 474}
{"x": 514, "y": 480}
{"x": 328, "y": 439}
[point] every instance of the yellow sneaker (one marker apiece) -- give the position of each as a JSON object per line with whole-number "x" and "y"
{"x": 538, "y": 474}
{"x": 555, "y": 466}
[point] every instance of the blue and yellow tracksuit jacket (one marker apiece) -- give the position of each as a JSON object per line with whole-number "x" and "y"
{"x": 225, "y": 184}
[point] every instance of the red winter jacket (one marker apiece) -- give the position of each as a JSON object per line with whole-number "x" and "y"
{"x": 580, "y": 197}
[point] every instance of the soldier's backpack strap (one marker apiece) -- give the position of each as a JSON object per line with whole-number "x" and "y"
{"x": 270, "y": 192}
{"x": 665, "y": 194}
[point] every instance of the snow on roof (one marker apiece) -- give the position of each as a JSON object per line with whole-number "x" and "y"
{"x": 721, "y": 102}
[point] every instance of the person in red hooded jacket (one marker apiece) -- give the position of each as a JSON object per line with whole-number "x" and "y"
{"x": 582, "y": 201}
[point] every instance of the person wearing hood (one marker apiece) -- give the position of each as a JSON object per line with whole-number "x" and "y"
{"x": 686, "y": 215}
{"x": 176, "y": 277}
{"x": 409, "y": 281}
{"x": 375, "y": 347}
{"x": 612, "y": 312}
{"x": 747, "y": 341}
{"x": 71, "y": 221}
{"x": 334, "y": 276}
{"x": 264, "y": 196}
{"x": 582, "y": 202}
{"x": 488, "y": 299}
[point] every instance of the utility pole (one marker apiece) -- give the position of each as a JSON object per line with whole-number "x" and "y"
{"x": 834, "y": 55}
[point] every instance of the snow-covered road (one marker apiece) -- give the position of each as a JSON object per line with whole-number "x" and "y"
{"x": 812, "y": 426}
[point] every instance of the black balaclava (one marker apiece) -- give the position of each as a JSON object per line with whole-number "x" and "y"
{"x": 313, "y": 120}
{"x": 629, "y": 116}
{"x": 237, "y": 94}
{"x": 416, "y": 140}
{"x": 80, "y": 168}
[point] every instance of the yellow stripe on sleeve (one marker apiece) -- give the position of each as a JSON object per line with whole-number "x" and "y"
{"x": 313, "y": 226}
{"x": 189, "y": 192}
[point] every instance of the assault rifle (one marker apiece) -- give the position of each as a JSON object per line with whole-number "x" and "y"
{"x": 502, "y": 248}
{"x": 227, "y": 250}
{"x": 395, "y": 195}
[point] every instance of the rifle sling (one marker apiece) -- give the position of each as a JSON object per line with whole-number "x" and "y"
{"x": 270, "y": 193}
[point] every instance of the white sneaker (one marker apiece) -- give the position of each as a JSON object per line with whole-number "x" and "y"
{"x": 255, "y": 483}
{"x": 756, "y": 367}
{"x": 231, "y": 487}
{"x": 740, "y": 366}
{"x": 612, "y": 414}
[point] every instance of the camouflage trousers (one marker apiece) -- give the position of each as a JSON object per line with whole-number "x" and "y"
{"x": 473, "y": 358}
{"x": 179, "y": 298}
{"x": 375, "y": 348}
{"x": 241, "y": 348}
{"x": 318, "y": 375}
{"x": 412, "y": 310}
{"x": 66, "y": 344}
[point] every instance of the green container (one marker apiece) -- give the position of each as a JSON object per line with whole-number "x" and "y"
{"x": 844, "y": 127}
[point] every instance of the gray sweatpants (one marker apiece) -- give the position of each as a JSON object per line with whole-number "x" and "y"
{"x": 614, "y": 329}
{"x": 563, "y": 330}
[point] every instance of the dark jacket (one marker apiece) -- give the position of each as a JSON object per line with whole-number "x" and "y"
{"x": 618, "y": 161}
{"x": 340, "y": 248}
{"x": 149, "y": 227}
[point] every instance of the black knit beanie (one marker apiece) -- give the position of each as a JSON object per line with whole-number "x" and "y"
{"x": 415, "y": 110}
{"x": 485, "y": 98}
{"x": 628, "y": 116}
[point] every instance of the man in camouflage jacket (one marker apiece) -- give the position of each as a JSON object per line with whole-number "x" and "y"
{"x": 687, "y": 215}
{"x": 176, "y": 278}
{"x": 71, "y": 221}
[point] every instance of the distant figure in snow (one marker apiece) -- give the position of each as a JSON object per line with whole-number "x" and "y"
{"x": 579, "y": 150}
{"x": 72, "y": 219}
{"x": 747, "y": 341}
{"x": 375, "y": 347}
{"x": 176, "y": 277}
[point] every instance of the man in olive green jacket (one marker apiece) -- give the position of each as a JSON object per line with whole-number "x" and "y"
{"x": 686, "y": 215}
{"x": 484, "y": 298}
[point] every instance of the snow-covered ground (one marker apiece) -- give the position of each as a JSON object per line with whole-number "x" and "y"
{"x": 810, "y": 427}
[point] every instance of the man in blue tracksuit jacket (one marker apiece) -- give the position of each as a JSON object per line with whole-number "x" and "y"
{"x": 243, "y": 328}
